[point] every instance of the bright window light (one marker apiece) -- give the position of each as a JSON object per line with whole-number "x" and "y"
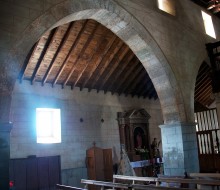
{"x": 167, "y": 6}
{"x": 48, "y": 125}
{"x": 209, "y": 28}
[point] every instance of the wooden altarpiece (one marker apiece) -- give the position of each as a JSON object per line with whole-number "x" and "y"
{"x": 134, "y": 132}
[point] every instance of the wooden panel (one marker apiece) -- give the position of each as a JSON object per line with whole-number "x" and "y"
{"x": 32, "y": 175}
{"x": 107, "y": 161}
{"x": 43, "y": 172}
{"x": 54, "y": 171}
{"x": 20, "y": 174}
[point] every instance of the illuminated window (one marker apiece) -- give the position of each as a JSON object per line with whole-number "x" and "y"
{"x": 209, "y": 28}
{"x": 167, "y": 6}
{"x": 48, "y": 125}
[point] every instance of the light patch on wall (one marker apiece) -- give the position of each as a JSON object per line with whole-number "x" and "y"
{"x": 48, "y": 125}
{"x": 167, "y": 6}
{"x": 209, "y": 28}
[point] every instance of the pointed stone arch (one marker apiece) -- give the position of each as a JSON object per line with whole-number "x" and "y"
{"x": 125, "y": 26}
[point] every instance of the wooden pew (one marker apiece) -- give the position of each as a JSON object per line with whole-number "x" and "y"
{"x": 205, "y": 176}
{"x": 168, "y": 180}
{"x": 64, "y": 187}
{"x": 103, "y": 185}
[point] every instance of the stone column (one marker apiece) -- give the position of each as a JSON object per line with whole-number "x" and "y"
{"x": 5, "y": 129}
{"x": 180, "y": 152}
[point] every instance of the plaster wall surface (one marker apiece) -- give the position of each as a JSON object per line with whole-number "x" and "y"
{"x": 76, "y": 136}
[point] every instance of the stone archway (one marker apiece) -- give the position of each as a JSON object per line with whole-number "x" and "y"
{"x": 124, "y": 25}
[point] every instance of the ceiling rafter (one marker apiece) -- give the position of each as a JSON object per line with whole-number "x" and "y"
{"x": 70, "y": 52}
{"x": 144, "y": 86}
{"x": 90, "y": 60}
{"x": 135, "y": 82}
{"x": 113, "y": 65}
{"x": 99, "y": 60}
{"x": 45, "y": 49}
{"x": 126, "y": 77}
{"x": 108, "y": 57}
{"x": 24, "y": 67}
{"x": 118, "y": 70}
{"x": 63, "y": 41}
{"x": 82, "y": 51}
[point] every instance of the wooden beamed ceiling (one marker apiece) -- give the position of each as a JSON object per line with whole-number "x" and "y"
{"x": 87, "y": 55}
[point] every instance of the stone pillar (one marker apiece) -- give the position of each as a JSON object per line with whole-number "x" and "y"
{"x": 180, "y": 152}
{"x": 217, "y": 101}
{"x": 5, "y": 129}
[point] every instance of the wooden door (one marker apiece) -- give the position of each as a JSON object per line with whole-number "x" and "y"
{"x": 108, "y": 165}
{"x": 208, "y": 135}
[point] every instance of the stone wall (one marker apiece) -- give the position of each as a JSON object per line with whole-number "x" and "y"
{"x": 77, "y": 136}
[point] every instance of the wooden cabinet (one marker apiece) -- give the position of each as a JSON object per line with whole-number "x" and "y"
{"x": 99, "y": 164}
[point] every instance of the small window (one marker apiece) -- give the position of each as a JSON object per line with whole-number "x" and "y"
{"x": 167, "y": 6}
{"x": 48, "y": 125}
{"x": 209, "y": 28}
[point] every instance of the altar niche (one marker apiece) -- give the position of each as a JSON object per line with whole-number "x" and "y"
{"x": 134, "y": 132}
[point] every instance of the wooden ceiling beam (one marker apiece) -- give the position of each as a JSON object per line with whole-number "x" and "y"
{"x": 130, "y": 66}
{"x": 200, "y": 88}
{"x": 70, "y": 52}
{"x": 91, "y": 59}
{"x": 112, "y": 66}
{"x": 152, "y": 93}
{"x": 205, "y": 96}
{"x": 82, "y": 51}
{"x": 143, "y": 87}
{"x": 104, "y": 63}
{"x": 140, "y": 85}
{"x": 27, "y": 60}
{"x": 119, "y": 70}
{"x": 127, "y": 77}
{"x": 63, "y": 41}
{"x": 138, "y": 78}
{"x": 43, "y": 53}
{"x": 99, "y": 60}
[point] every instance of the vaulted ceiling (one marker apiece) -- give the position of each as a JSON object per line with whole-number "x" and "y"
{"x": 87, "y": 55}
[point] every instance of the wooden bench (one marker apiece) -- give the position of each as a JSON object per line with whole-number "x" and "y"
{"x": 112, "y": 185}
{"x": 169, "y": 180}
{"x": 206, "y": 176}
{"x": 64, "y": 187}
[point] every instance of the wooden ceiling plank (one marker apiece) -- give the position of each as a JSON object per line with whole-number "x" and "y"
{"x": 200, "y": 88}
{"x": 152, "y": 93}
{"x": 202, "y": 94}
{"x": 43, "y": 53}
{"x": 129, "y": 82}
{"x": 66, "y": 35}
{"x": 90, "y": 61}
{"x": 70, "y": 52}
{"x": 119, "y": 70}
{"x": 139, "y": 77}
{"x": 205, "y": 96}
{"x": 112, "y": 66}
{"x": 26, "y": 62}
{"x": 104, "y": 62}
{"x": 99, "y": 61}
{"x": 127, "y": 77}
{"x": 82, "y": 51}
{"x": 139, "y": 85}
{"x": 144, "y": 87}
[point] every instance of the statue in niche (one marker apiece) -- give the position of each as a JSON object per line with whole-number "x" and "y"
{"x": 138, "y": 138}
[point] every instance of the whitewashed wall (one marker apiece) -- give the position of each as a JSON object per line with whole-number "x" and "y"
{"x": 76, "y": 136}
